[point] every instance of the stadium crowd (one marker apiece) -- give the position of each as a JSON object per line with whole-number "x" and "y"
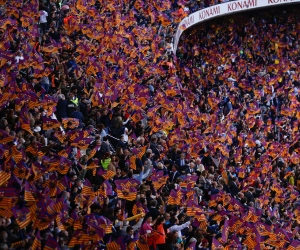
{"x": 107, "y": 141}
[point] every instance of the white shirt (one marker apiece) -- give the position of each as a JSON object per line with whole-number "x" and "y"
{"x": 200, "y": 168}
{"x": 43, "y": 17}
{"x": 178, "y": 228}
{"x": 141, "y": 176}
{"x": 169, "y": 47}
{"x": 18, "y": 58}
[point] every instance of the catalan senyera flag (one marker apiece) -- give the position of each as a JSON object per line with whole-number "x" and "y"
{"x": 263, "y": 229}
{"x": 33, "y": 149}
{"x": 160, "y": 181}
{"x": 295, "y": 245}
{"x": 37, "y": 245}
{"x": 29, "y": 192}
{"x": 106, "y": 174}
{"x": 125, "y": 190}
{"x": 174, "y": 197}
{"x": 225, "y": 232}
{"x": 23, "y": 216}
{"x": 51, "y": 244}
{"x": 82, "y": 143}
{"x": 65, "y": 152}
{"x": 55, "y": 207}
{"x": 17, "y": 244}
{"x": 105, "y": 223}
{"x": 250, "y": 241}
{"x": 72, "y": 218}
{"x": 64, "y": 165}
{"x": 87, "y": 188}
{"x": 51, "y": 164}
{"x": 200, "y": 221}
{"x": 73, "y": 121}
{"x": 142, "y": 244}
{"x": 127, "y": 193}
{"x": 105, "y": 189}
{"x": 251, "y": 216}
{"x": 26, "y": 126}
{"x": 74, "y": 239}
{"x": 113, "y": 246}
{"x": 94, "y": 164}
{"x": 141, "y": 152}
{"x": 192, "y": 208}
{"x": 226, "y": 199}
{"x": 132, "y": 162}
{"x": 136, "y": 117}
{"x": 61, "y": 136}
{"x": 50, "y": 49}
{"x": 7, "y": 202}
{"x": 21, "y": 170}
{"x": 4, "y": 177}
{"x": 5, "y": 138}
{"x": 93, "y": 152}
{"x": 138, "y": 209}
{"x": 72, "y": 135}
{"x": 188, "y": 180}
{"x": 42, "y": 220}
{"x": 6, "y": 213}
{"x": 49, "y": 123}
{"x": 78, "y": 224}
{"x": 17, "y": 155}
{"x": 216, "y": 245}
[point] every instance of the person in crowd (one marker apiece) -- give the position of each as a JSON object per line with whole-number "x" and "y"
{"x": 160, "y": 237}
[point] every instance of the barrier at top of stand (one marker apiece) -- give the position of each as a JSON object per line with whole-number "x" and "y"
{"x": 223, "y": 9}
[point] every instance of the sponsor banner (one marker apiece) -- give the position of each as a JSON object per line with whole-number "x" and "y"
{"x": 223, "y": 9}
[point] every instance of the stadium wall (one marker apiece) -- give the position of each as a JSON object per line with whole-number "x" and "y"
{"x": 221, "y": 10}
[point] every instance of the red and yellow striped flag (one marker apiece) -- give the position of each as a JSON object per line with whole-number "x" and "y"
{"x": 5, "y": 138}
{"x": 32, "y": 149}
{"x": 113, "y": 246}
{"x": 73, "y": 121}
{"x": 37, "y": 245}
{"x": 6, "y": 213}
{"x": 108, "y": 175}
{"x": 4, "y": 177}
{"x": 142, "y": 244}
{"x": 23, "y": 217}
{"x": 142, "y": 151}
{"x": 132, "y": 162}
{"x": 87, "y": 188}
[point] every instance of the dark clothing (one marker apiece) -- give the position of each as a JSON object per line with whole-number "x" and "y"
{"x": 234, "y": 188}
{"x": 71, "y": 106}
{"x": 104, "y": 119}
{"x": 174, "y": 176}
{"x": 78, "y": 115}
{"x": 214, "y": 191}
{"x": 121, "y": 144}
{"x": 181, "y": 164}
{"x": 84, "y": 109}
{"x": 54, "y": 35}
{"x": 103, "y": 149}
{"x": 121, "y": 131}
{"x": 154, "y": 213}
{"x": 190, "y": 170}
{"x": 249, "y": 197}
{"x": 154, "y": 149}
{"x": 61, "y": 109}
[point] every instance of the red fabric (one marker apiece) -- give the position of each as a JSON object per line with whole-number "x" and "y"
{"x": 78, "y": 154}
{"x": 160, "y": 237}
